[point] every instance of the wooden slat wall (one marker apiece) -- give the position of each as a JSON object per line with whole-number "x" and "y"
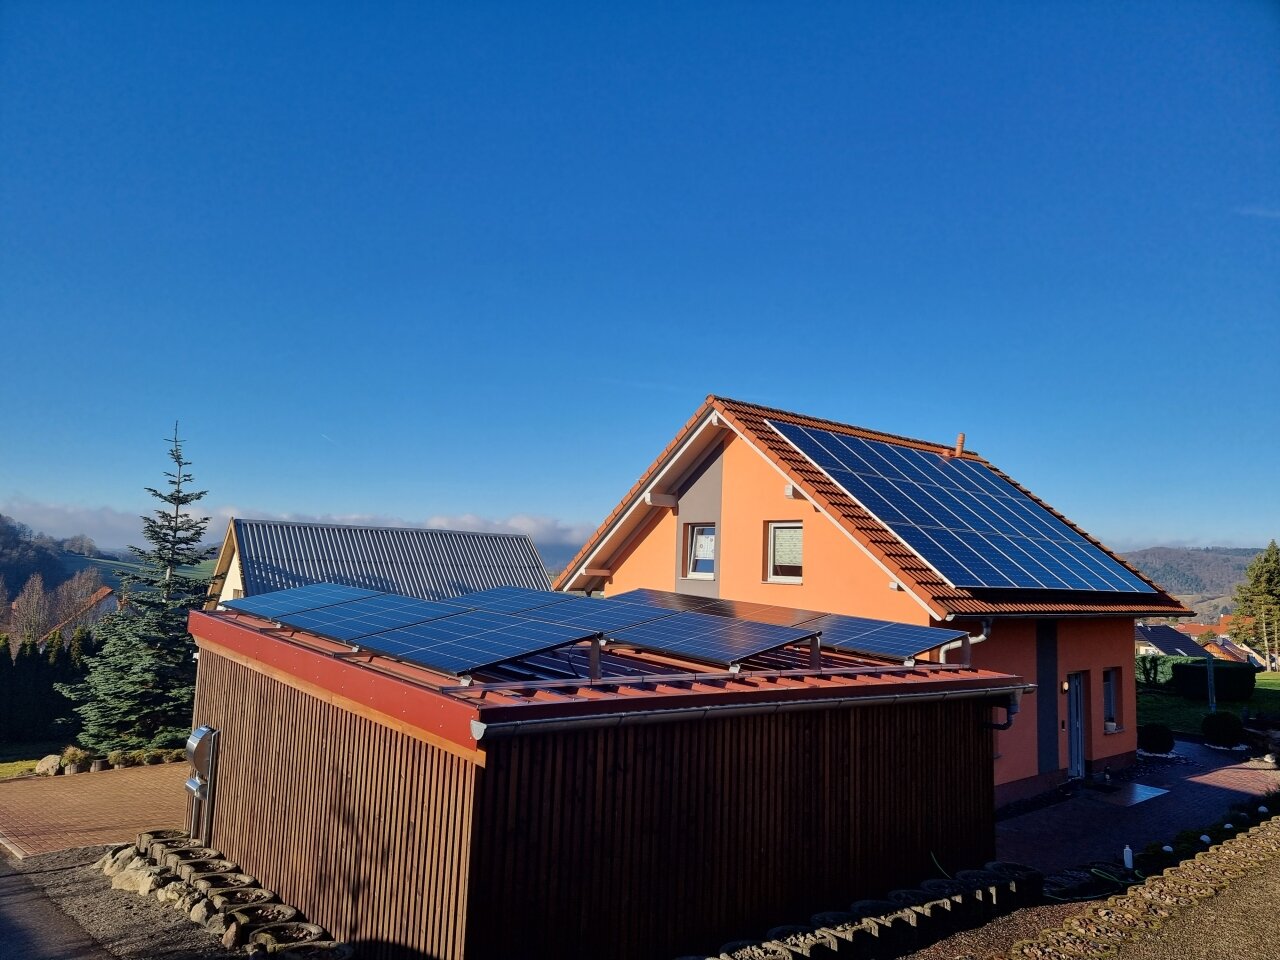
{"x": 653, "y": 841}
{"x": 365, "y": 829}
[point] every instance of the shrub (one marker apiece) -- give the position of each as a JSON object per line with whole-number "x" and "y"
{"x": 137, "y": 758}
{"x": 1231, "y": 681}
{"x": 176, "y": 755}
{"x": 73, "y": 755}
{"x": 1222, "y": 729}
{"x": 151, "y": 757}
{"x": 1155, "y": 738}
{"x": 118, "y": 758}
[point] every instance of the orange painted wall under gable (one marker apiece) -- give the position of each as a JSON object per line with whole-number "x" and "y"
{"x": 839, "y": 577}
{"x": 1091, "y": 646}
{"x": 649, "y": 560}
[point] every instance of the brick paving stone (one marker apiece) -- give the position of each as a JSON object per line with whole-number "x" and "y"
{"x": 1087, "y": 828}
{"x": 44, "y": 814}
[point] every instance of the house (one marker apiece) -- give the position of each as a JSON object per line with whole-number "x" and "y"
{"x": 1235, "y": 651}
{"x": 483, "y": 778}
{"x": 754, "y": 504}
{"x": 259, "y": 556}
{"x": 1160, "y": 639}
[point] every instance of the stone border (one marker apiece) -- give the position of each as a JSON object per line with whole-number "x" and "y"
{"x": 1097, "y": 931}
{"x": 212, "y": 890}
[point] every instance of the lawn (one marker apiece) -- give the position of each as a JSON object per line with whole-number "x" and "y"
{"x": 1184, "y": 716}
{"x": 18, "y": 759}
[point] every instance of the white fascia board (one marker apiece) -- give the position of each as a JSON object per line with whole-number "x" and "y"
{"x": 711, "y": 421}
{"x": 936, "y": 615}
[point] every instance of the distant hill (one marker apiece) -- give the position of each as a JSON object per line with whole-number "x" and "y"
{"x": 1204, "y": 578}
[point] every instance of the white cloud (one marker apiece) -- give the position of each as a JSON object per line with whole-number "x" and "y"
{"x": 111, "y": 528}
{"x": 1263, "y": 213}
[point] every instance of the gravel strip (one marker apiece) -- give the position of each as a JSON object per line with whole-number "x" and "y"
{"x": 127, "y": 925}
{"x": 1000, "y": 934}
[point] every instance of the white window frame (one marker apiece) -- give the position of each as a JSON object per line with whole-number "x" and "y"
{"x": 692, "y": 537}
{"x": 770, "y": 576}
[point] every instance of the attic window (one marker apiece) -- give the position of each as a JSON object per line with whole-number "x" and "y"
{"x": 702, "y": 552}
{"x": 786, "y": 552}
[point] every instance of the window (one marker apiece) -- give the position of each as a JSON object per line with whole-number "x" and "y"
{"x": 701, "y": 564}
{"x": 1111, "y": 695}
{"x": 786, "y": 552}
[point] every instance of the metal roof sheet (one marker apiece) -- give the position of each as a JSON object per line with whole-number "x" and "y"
{"x": 411, "y": 561}
{"x": 1168, "y": 641}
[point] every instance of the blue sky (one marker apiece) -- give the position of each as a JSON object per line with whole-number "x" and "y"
{"x": 476, "y": 263}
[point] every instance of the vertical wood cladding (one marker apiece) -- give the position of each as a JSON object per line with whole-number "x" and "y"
{"x": 652, "y": 841}
{"x": 363, "y": 828}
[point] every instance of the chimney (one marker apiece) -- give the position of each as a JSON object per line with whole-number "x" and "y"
{"x": 959, "y": 445}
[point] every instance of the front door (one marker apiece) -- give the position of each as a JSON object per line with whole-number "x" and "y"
{"x": 1075, "y": 725}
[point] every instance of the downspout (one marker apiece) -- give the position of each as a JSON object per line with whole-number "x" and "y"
{"x": 965, "y": 644}
{"x": 1010, "y": 711}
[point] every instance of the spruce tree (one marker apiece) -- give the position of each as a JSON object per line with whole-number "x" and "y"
{"x": 140, "y": 682}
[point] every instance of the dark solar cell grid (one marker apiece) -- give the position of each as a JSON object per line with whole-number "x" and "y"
{"x": 296, "y": 599}
{"x": 972, "y": 526}
{"x": 708, "y": 638}
{"x": 363, "y": 618}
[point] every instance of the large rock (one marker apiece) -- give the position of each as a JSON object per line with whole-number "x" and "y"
{"x": 124, "y": 859}
{"x": 202, "y": 910}
{"x": 233, "y": 936}
{"x": 127, "y": 879}
{"x": 216, "y": 924}
{"x": 48, "y": 766}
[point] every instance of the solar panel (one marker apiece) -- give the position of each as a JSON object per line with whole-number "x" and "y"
{"x": 510, "y": 599}
{"x": 711, "y": 639}
{"x": 879, "y": 637}
{"x": 603, "y": 616}
{"x": 473, "y": 640}
{"x": 973, "y": 527}
{"x": 739, "y": 609}
{"x": 362, "y": 618}
{"x": 280, "y": 603}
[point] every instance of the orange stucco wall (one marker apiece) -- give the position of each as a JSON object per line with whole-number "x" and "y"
{"x": 649, "y": 559}
{"x": 1087, "y": 646}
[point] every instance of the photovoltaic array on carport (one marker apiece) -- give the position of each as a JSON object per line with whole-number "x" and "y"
{"x": 712, "y": 639}
{"x": 959, "y": 516}
{"x": 881, "y": 638}
{"x": 491, "y": 627}
{"x": 296, "y": 599}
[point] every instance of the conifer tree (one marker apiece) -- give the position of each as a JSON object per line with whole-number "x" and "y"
{"x": 140, "y": 683}
{"x": 1259, "y": 597}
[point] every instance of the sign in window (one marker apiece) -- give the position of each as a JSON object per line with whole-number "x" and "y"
{"x": 702, "y": 551}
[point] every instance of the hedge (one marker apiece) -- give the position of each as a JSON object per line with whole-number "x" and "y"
{"x": 1154, "y": 671}
{"x": 1231, "y": 681}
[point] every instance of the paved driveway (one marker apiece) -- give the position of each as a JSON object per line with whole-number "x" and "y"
{"x": 43, "y": 814}
{"x": 1090, "y": 826}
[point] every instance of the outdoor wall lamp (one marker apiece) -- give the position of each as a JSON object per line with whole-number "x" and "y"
{"x": 1065, "y": 686}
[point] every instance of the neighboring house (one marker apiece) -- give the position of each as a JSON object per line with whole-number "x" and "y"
{"x": 259, "y": 556}
{"x": 1238, "y": 651}
{"x": 1163, "y": 640}
{"x": 753, "y": 504}
{"x": 98, "y": 605}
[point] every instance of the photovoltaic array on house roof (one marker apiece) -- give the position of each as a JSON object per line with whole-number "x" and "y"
{"x": 605, "y": 615}
{"x": 973, "y": 527}
{"x": 859, "y": 635}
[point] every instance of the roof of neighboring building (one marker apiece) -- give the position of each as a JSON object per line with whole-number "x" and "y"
{"x": 1168, "y": 641}
{"x": 98, "y": 596}
{"x": 1239, "y": 651}
{"x": 943, "y": 601}
{"x": 1197, "y": 629}
{"x": 1217, "y": 649}
{"x": 413, "y": 561}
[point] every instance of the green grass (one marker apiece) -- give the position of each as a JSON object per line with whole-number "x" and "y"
{"x": 18, "y": 759}
{"x": 1184, "y": 716}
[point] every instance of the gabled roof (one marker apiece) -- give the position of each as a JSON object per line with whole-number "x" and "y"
{"x": 942, "y": 600}
{"x": 415, "y": 562}
{"x": 97, "y": 597}
{"x": 1170, "y": 642}
{"x": 1239, "y": 651}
